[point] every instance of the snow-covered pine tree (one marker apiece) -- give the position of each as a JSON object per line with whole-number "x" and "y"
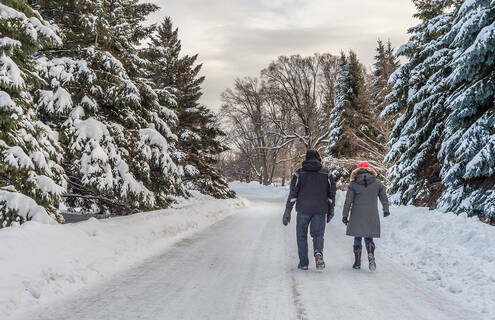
{"x": 197, "y": 130}
{"x": 115, "y": 128}
{"x": 468, "y": 150}
{"x": 354, "y": 134}
{"x": 343, "y": 98}
{"x": 339, "y": 171}
{"x": 31, "y": 178}
{"x": 418, "y": 99}
{"x": 385, "y": 65}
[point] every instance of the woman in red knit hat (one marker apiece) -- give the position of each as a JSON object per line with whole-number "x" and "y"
{"x": 361, "y": 202}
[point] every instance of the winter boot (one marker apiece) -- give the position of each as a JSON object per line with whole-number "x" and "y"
{"x": 370, "y": 247}
{"x": 357, "y": 257}
{"x": 300, "y": 267}
{"x": 320, "y": 264}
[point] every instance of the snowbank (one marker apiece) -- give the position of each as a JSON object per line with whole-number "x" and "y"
{"x": 26, "y": 208}
{"x": 40, "y": 263}
{"x": 456, "y": 253}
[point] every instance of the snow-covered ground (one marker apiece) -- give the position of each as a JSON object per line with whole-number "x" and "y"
{"x": 170, "y": 265}
{"x": 455, "y": 253}
{"x": 41, "y": 263}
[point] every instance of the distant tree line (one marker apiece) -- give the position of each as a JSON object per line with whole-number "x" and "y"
{"x": 428, "y": 126}
{"x": 323, "y": 102}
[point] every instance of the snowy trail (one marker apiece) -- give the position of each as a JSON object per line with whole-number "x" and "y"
{"x": 244, "y": 268}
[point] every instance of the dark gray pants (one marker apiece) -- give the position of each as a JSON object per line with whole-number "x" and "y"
{"x": 316, "y": 223}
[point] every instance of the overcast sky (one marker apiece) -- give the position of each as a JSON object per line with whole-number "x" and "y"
{"x": 237, "y": 38}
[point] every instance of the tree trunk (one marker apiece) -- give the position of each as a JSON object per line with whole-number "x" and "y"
{"x": 284, "y": 171}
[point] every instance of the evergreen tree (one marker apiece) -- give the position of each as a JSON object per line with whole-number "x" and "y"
{"x": 354, "y": 134}
{"x": 339, "y": 171}
{"x": 385, "y": 64}
{"x": 468, "y": 150}
{"x": 446, "y": 92}
{"x": 31, "y": 178}
{"x": 344, "y": 98}
{"x": 114, "y": 121}
{"x": 418, "y": 100}
{"x": 196, "y": 126}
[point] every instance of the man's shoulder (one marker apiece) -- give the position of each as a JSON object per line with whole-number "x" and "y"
{"x": 298, "y": 171}
{"x": 324, "y": 170}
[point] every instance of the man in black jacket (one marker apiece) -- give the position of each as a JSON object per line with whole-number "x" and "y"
{"x": 313, "y": 190}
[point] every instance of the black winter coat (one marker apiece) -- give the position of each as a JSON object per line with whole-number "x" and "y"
{"x": 312, "y": 189}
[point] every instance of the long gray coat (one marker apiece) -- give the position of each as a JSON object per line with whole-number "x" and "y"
{"x": 361, "y": 201}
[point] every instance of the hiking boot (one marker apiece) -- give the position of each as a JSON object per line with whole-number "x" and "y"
{"x": 300, "y": 267}
{"x": 320, "y": 264}
{"x": 370, "y": 247}
{"x": 357, "y": 257}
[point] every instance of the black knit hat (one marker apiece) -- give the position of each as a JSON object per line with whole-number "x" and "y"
{"x": 313, "y": 155}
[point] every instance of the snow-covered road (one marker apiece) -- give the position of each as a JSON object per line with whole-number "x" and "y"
{"x": 244, "y": 267}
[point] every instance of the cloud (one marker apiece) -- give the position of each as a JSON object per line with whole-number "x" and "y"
{"x": 238, "y": 38}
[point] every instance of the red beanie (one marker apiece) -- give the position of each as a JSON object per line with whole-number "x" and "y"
{"x": 363, "y": 164}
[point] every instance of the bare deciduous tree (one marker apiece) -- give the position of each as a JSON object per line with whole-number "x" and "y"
{"x": 304, "y": 88}
{"x": 244, "y": 109}
{"x": 273, "y": 121}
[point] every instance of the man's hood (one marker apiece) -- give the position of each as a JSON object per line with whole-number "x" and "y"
{"x": 313, "y": 155}
{"x": 311, "y": 165}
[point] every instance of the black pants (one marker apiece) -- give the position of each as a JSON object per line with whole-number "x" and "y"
{"x": 316, "y": 224}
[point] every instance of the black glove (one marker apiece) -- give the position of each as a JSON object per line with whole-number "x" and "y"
{"x": 330, "y": 214}
{"x": 386, "y": 213}
{"x": 345, "y": 220}
{"x": 286, "y": 217}
{"x": 329, "y": 217}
